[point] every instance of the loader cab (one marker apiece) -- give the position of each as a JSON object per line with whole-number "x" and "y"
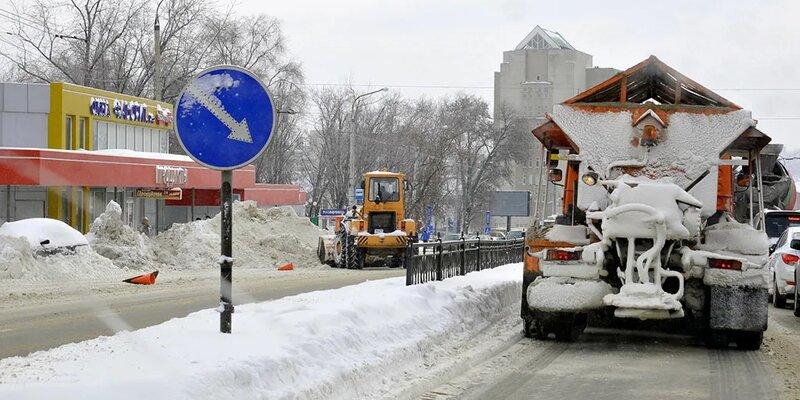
{"x": 384, "y": 194}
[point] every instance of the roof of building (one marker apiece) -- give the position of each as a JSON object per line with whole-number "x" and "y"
{"x": 542, "y": 39}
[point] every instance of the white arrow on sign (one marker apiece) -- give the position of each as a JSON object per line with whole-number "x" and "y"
{"x": 239, "y": 130}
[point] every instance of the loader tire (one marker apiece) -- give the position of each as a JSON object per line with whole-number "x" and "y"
{"x": 351, "y": 257}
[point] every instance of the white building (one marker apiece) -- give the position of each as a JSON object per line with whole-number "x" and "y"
{"x": 544, "y": 69}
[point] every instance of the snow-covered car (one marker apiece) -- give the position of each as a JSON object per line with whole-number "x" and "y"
{"x": 451, "y": 236}
{"x": 498, "y": 235}
{"x": 515, "y": 234}
{"x": 782, "y": 263}
{"x": 45, "y": 235}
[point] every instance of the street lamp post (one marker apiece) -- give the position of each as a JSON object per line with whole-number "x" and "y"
{"x": 157, "y": 56}
{"x": 352, "y": 168}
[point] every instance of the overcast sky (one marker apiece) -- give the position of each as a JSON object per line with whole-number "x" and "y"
{"x": 723, "y": 45}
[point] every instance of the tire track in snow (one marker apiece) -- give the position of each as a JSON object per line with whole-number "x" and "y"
{"x": 508, "y": 373}
{"x": 739, "y": 375}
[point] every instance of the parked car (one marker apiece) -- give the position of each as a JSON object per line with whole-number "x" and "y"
{"x": 45, "y": 235}
{"x": 782, "y": 263}
{"x": 451, "y": 236}
{"x": 498, "y": 235}
{"x": 515, "y": 234}
{"x": 777, "y": 221}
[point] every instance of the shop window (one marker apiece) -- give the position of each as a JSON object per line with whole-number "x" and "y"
{"x": 102, "y": 135}
{"x": 82, "y": 125}
{"x": 138, "y": 131}
{"x": 148, "y": 140}
{"x": 68, "y": 132}
{"x": 130, "y": 142}
{"x": 164, "y": 136}
{"x": 112, "y": 135}
{"x": 79, "y": 209}
{"x": 120, "y": 136}
{"x": 65, "y": 195}
{"x": 156, "y": 134}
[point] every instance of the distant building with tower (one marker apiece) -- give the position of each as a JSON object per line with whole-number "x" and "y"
{"x": 544, "y": 69}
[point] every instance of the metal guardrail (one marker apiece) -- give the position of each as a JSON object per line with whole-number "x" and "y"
{"x": 438, "y": 260}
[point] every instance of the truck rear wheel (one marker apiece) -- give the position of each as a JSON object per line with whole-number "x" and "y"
{"x": 749, "y": 340}
{"x": 570, "y": 329}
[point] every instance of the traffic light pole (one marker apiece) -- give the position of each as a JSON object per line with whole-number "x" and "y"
{"x": 226, "y": 259}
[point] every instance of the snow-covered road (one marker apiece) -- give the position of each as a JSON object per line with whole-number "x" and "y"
{"x": 612, "y": 364}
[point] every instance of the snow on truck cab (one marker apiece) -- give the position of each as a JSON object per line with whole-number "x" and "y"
{"x": 648, "y": 229}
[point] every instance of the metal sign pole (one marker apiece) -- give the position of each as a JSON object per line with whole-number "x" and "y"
{"x": 224, "y": 119}
{"x": 226, "y": 260}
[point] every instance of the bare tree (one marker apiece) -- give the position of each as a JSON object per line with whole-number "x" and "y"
{"x": 484, "y": 150}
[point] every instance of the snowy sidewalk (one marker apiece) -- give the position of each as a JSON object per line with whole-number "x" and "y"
{"x": 354, "y": 342}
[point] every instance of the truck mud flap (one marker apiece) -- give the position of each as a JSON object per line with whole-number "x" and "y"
{"x": 738, "y": 308}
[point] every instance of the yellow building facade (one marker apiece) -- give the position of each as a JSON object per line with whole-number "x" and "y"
{"x": 93, "y": 119}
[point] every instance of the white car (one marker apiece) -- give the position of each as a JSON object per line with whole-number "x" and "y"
{"x": 782, "y": 263}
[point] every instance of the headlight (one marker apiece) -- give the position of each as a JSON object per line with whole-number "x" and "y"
{"x": 589, "y": 178}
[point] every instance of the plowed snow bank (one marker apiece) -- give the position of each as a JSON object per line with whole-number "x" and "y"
{"x": 353, "y": 342}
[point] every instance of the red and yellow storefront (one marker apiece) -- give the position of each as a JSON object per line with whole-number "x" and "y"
{"x": 120, "y": 174}
{"x": 104, "y": 146}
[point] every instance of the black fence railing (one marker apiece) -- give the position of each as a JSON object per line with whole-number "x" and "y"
{"x": 434, "y": 261}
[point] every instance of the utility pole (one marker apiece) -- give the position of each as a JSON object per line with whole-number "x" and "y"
{"x": 351, "y": 185}
{"x": 157, "y": 56}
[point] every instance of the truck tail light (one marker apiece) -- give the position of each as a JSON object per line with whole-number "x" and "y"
{"x": 725, "y": 264}
{"x": 361, "y": 225}
{"x": 403, "y": 225}
{"x": 563, "y": 255}
{"x": 790, "y": 259}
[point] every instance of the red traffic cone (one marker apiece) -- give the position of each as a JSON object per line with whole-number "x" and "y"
{"x": 144, "y": 279}
{"x": 286, "y": 267}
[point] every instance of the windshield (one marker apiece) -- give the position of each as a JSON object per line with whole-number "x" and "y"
{"x": 777, "y": 223}
{"x": 384, "y": 189}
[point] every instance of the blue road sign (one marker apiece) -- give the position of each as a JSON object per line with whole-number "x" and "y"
{"x": 331, "y": 212}
{"x": 359, "y": 196}
{"x": 487, "y": 229}
{"x": 224, "y": 117}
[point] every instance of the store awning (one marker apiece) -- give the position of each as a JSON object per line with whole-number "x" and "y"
{"x": 129, "y": 169}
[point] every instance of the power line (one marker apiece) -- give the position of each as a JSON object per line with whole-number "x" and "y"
{"x": 480, "y": 87}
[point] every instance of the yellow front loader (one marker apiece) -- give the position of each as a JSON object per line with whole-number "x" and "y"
{"x": 379, "y": 233}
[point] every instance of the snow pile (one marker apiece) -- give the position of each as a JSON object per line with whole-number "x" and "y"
{"x": 642, "y": 296}
{"x": 567, "y": 294}
{"x": 352, "y": 342}
{"x": 112, "y": 239}
{"x": 722, "y": 277}
{"x": 732, "y": 236}
{"x": 261, "y": 238}
{"x": 37, "y": 230}
{"x": 575, "y": 234}
{"x": 19, "y": 261}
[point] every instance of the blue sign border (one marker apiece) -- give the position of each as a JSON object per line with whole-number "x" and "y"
{"x": 272, "y": 104}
